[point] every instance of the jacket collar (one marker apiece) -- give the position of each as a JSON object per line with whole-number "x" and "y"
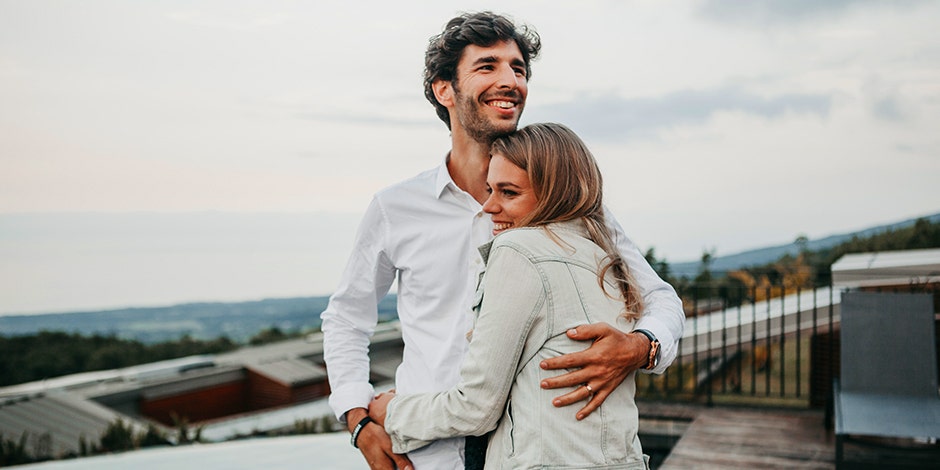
{"x": 574, "y": 227}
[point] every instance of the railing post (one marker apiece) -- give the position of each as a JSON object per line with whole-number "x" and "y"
{"x": 695, "y": 340}
{"x": 783, "y": 341}
{"x": 754, "y": 341}
{"x": 679, "y": 367}
{"x": 708, "y": 360}
{"x": 799, "y": 343}
{"x": 832, "y": 338}
{"x": 740, "y": 342}
{"x": 767, "y": 369}
{"x": 724, "y": 344}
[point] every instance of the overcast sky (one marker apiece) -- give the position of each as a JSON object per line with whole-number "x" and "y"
{"x": 719, "y": 124}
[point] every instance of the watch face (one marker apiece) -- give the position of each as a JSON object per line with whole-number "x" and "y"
{"x": 654, "y": 354}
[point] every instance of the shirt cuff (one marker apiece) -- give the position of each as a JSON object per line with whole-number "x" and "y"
{"x": 349, "y": 396}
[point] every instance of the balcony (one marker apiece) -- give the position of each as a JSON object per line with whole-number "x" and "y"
{"x": 752, "y": 386}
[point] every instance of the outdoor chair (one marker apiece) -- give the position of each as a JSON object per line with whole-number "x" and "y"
{"x": 888, "y": 386}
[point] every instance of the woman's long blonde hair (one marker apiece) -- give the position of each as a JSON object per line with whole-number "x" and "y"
{"x": 568, "y": 186}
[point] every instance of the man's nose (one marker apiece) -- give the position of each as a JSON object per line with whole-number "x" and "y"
{"x": 508, "y": 78}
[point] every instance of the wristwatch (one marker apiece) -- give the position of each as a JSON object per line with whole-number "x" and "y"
{"x": 654, "y": 348}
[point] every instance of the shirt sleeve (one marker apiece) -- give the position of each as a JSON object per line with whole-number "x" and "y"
{"x": 513, "y": 295}
{"x": 352, "y": 314}
{"x": 663, "y": 315}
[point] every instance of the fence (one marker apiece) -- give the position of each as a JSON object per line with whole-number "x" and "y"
{"x": 771, "y": 345}
{"x": 748, "y": 343}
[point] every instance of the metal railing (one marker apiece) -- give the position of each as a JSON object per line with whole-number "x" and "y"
{"x": 768, "y": 345}
{"x": 751, "y": 343}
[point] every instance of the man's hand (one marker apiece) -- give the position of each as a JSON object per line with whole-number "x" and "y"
{"x": 375, "y": 444}
{"x": 601, "y": 368}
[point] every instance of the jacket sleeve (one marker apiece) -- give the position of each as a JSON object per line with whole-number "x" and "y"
{"x": 663, "y": 316}
{"x": 513, "y": 295}
{"x": 352, "y": 314}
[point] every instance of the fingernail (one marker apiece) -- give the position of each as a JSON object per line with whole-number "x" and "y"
{"x": 544, "y": 366}
{"x": 544, "y": 384}
{"x": 573, "y": 331}
{"x": 579, "y": 416}
{"x": 556, "y": 402}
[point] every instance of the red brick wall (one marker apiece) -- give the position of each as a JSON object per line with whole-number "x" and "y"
{"x": 266, "y": 393}
{"x": 199, "y": 405}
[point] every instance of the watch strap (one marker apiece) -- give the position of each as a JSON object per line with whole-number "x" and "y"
{"x": 654, "y": 348}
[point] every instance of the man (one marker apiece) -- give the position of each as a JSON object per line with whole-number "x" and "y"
{"x": 425, "y": 231}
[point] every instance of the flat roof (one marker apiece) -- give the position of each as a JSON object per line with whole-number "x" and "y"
{"x": 887, "y": 268}
{"x": 304, "y": 452}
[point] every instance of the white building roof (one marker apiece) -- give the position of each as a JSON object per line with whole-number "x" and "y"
{"x": 887, "y": 268}
{"x": 331, "y": 451}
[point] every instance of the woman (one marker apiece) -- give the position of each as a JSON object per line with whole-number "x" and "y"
{"x": 551, "y": 267}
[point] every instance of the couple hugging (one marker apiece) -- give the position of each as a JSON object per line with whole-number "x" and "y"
{"x": 518, "y": 294}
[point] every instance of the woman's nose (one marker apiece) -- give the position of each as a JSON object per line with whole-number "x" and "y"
{"x": 490, "y": 206}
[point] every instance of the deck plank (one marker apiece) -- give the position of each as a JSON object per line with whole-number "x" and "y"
{"x": 753, "y": 438}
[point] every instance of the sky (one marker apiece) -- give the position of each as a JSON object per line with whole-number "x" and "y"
{"x": 719, "y": 125}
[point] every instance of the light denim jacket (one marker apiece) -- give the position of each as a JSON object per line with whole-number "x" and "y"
{"x": 536, "y": 286}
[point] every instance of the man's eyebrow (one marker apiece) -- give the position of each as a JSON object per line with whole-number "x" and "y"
{"x": 486, "y": 60}
{"x": 491, "y": 59}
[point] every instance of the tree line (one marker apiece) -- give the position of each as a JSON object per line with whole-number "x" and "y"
{"x": 50, "y": 354}
{"x": 805, "y": 270}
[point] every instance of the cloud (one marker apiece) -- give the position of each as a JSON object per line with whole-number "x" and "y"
{"x": 614, "y": 118}
{"x": 370, "y": 120}
{"x": 786, "y": 11}
{"x": 888, "y": 108}
{"x": 232, "y": 22}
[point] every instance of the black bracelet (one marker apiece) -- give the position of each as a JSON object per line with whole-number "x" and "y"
{"x": 355, "y": 435}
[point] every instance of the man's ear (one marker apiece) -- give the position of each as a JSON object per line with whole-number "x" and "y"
{"x": 443, "y": 92}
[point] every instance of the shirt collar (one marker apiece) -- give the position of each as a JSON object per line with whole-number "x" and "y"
{"x": 443, "y": 178}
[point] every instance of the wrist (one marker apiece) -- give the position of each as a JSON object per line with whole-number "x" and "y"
{"x": 652, "y": 356}
{"x": 353, "y": 417}
{"x": 360, "y": 425}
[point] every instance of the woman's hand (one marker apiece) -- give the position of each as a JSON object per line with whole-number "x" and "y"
{"x": 379, "y": 407}
{"x": 601, "y": 368}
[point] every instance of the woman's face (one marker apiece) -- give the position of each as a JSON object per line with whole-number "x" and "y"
{"x": 511, "y": 194}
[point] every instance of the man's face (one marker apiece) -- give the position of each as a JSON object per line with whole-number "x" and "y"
{"x": 490, "y": 90}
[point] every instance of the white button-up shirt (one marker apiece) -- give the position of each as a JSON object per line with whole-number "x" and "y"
{"x": 424, "y": 232}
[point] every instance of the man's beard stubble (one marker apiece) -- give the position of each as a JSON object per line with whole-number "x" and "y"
{"x": 476, "y": 124}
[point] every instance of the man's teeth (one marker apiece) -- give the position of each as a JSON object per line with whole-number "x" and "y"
{"x": 503, "y": 104}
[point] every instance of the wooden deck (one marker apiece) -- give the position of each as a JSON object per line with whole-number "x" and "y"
{"x": 723, "y": 438}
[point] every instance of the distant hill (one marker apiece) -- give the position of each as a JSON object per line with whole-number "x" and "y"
{"x": 238, "y": 321}
{"x": 768, "y": 255}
